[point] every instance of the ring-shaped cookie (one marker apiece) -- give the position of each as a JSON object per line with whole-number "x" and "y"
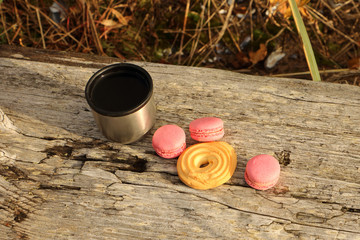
{"x": 207, "y": 165}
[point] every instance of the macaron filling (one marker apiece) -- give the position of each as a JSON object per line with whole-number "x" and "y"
{"x": 171, "y": 153}
{"x": 260, "y": 185}
{"x": 207, "y": 133}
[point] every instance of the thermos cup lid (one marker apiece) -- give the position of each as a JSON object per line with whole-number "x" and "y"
{"x": 119, "y": 89}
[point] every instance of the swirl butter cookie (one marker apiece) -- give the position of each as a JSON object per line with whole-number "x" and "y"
{"x": 207, "y": 165}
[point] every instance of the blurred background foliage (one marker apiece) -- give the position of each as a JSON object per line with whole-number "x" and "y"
{"x": 250, "y": 36}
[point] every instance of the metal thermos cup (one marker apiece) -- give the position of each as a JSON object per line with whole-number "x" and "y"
{"x": 122, "y": 102}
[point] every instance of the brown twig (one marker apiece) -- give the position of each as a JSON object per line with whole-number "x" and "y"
{"x": 320, "y": 17}
{"x": 229, "y": 31}
{"x": 41, "y": 29}
{"x": 4, "y": 24}
{"x": 94, "y": 32}
{"x": 184, "y": 29}
{"x": 191, "y": 29}
{"x": 251, "y": 22}
{"x": 208, "y": 22}
{"x": 192, "y": 37}
{"x": 141, "y": 26}
{"x": 16, "y": 34}
{"x": 333, "y": 12}
{"x": 221, "y": 33}
{"x": 68, "y": 33}
{"x": 344, "y": 50}
{"x": 19, "y": 24}
{"x": 274, "y": 37}
{"x": 200, "y": 24}
{"x": 55, "y": 24}
{"x": 217, "y": 8}
{"x": 106, "y": 13}
{"x": 7, "y": 30}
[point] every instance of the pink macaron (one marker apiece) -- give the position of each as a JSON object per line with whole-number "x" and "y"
{"x": 207, "y": 129}
{"x": 262, "y": 172}
{"x": 169, "y": 141}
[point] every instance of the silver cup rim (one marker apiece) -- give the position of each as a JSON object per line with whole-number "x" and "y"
{"x": 118, "y": 68}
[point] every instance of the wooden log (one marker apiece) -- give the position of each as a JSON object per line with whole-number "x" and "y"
{"x": 61, "y": 179}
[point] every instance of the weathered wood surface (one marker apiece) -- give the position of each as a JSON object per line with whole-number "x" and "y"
{"x": 60, "y": 179}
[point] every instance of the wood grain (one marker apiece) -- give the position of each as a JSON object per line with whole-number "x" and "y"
{"x": 60, "y": 179}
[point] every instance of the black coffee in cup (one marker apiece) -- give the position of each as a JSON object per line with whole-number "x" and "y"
{"x": 119, "y": 92}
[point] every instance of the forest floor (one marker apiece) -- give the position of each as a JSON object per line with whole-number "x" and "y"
{"x": 249, "y": 36}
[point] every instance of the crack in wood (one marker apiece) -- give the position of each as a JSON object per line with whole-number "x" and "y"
{"x": 151, "y": 152}
{"x": 283, "y": 157}
{"x": 350, "y": 210}
{"x": 59, "y": 187}
{"x": 306, "y": 100}
{"x": 12, "y": 172}
{"x": 135, "y": 163}
{"x": 309, "y": 218}
{"x": 49, "y": 138}
{"x": 61, "y": 151}
{"x": 19, "y": 216}
{"x": 66, "y": 151}
{"x": 132, "y": 163}
{"x": 300, "y": 195}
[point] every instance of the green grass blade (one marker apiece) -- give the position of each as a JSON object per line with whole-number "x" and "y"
{"x": 309, "y": 53}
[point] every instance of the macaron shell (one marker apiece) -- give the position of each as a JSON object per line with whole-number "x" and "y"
{"x": 169, "y": 141}
{"x": 262, "y": 171}
{"x": 258, "y": 185}
{"x": 207, "y": 129}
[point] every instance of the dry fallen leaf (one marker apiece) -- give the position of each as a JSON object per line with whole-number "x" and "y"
{"x": 108, "y": 23}
{"x": 354, "y": 63}
{"x": 259, "y": 55}
{"x": 283, "y": 7}
{"x": 122, "y": 20}
{"x": 111, "y": 24}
